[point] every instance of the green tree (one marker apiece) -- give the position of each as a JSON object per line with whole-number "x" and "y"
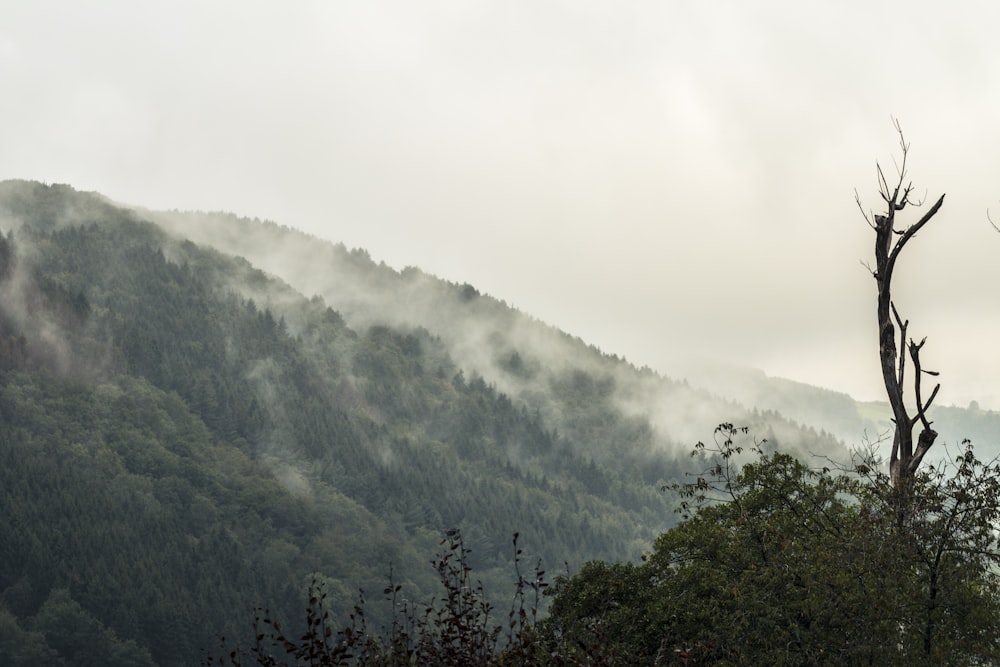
{"x": 23, "y": 648}
{"x": 83, "y": 640}
{"x": 778, "y": 563}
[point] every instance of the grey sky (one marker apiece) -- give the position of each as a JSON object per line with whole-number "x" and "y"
{"x": 663, "y": 179}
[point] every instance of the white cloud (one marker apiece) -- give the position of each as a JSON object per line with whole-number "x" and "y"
{"x": 660, "y": 179}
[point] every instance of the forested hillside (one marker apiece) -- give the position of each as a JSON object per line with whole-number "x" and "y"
{"x": 521, "y": 356}
{"x": 184, "y": 437}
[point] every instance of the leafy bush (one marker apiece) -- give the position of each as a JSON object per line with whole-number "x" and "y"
{"x": 779, "y": 563}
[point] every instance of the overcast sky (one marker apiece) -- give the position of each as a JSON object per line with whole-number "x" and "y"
{"x": 663, "y": 179}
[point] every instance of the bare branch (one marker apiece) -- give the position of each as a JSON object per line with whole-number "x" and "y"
{"x": 864, "y": 214}
{"x": 906, "y": 197}
{"x": 902, "y": 337}
{"x": 891, "y": 236}
{"x": 901, "y": 168}
{"x": 921, "y": 406}
{"x": 911, "y": 231}
{"x": 903, "y": 145}
{"x": 987, "y": 216}
{"x": 931, "y": 400}
{"x": 883, "y": 186}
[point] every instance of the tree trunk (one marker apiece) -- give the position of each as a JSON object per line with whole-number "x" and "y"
{"x": 904, "y": 460}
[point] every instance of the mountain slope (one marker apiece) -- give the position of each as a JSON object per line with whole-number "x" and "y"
{"x": 521, "y": 356}
{"x": 185, "y": 436}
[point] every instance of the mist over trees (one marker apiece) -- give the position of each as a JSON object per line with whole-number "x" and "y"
{"x": 186, "y": 437}
{"x": 222, "y": 439}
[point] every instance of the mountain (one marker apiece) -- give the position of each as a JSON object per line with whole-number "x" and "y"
{"x": 520, "y": 355}
{"x": 854, "y": 423}
{"x": 201, "y": 414}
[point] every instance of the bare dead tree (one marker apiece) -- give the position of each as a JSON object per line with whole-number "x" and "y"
{"x": 889, "y": 243}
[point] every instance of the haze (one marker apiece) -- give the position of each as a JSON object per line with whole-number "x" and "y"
{"x": 670, "y": 181}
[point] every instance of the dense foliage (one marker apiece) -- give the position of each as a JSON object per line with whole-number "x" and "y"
{"x": 778, "y": 563}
